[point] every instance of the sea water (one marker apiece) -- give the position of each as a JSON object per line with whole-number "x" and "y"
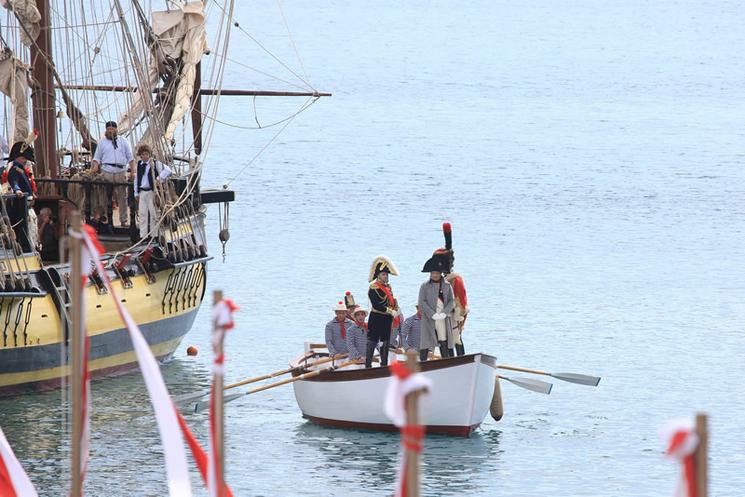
{"x": 590, "y": 158}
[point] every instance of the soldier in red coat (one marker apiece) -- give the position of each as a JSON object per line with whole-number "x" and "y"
{"x": 460, "y": 312}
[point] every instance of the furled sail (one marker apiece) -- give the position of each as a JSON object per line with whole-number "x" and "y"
{"x": 181, "y": 35}
{"x": 14, "y": 83}
{"x": 27, "y": 14}
{"x": 190, "y": 39}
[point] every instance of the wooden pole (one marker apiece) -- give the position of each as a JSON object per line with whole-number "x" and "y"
{"x": 196, "y": 109}
{"x": 76, "y": 344}
{"x": 218, "y": 336}
{"x": 412, "y": 457}
{"x": 701, "y": 456}
{"x": 42, "y": 97}
{"x": 208, "y": 91}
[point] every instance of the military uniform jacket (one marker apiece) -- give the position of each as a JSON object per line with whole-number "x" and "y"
{"x": 336, "y": 342}
{"x": 380, "y": 320}
{"x": 428, "y": 294}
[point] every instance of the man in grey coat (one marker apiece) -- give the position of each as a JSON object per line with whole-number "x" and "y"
{"x": 436, "y": 303}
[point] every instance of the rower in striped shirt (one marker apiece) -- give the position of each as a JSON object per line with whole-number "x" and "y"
{"x": 357, "y": 335}
{"x": 336, "y": 331}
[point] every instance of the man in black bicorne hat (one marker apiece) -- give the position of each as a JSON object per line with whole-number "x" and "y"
{"x": 436, "y": 302}
{"x": 18, "y": 179}
{"x": 383, "y": 309}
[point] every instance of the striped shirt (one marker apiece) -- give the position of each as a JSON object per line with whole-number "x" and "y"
{"x": 334, "y": 341}
{"x": 411, "y": 333}
{"x": 356, "y": 341}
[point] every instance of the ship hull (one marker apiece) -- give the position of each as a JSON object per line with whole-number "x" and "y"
{"x": 33, "y": 345}
{"x": 27, "y": 369}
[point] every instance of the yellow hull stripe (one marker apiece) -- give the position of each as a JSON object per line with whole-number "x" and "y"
{"x": 143, "y": 300}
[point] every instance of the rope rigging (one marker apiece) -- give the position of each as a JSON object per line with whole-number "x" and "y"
{"x": 115, "y": 42}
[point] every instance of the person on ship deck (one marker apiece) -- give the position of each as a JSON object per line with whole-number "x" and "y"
{"x": 114, "y": 159}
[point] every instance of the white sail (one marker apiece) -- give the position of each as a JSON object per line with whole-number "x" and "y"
{"x": 189, "y": 40}
{"x": 14, "y": 83}
{"x": 28, "y": 14}
{"x": 181, "y": 35}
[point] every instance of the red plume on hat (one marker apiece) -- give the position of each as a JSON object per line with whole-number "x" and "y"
{"x": 447, "y": 230}
{"x": 349, "y": 300}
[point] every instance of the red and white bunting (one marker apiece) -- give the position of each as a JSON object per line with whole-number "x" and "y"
{"x": 681, "y": 441}
{"x": 13, "y": 480}
{"x": 199, "y": 454}
{"x": 222, "y": 318}
{"x": 222, "y": 314}
{"x": 165, "y": 412}
{"x": 402, "y": 383}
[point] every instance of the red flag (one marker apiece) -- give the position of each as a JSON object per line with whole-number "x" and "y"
{"x": 177, "y": 470}
{"x": 200, "y": 456}
{"x": 13, "y": 480}
{"x": 681, "y": 441}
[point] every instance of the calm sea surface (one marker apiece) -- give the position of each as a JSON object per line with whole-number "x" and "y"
{"x": 590, "y": 157}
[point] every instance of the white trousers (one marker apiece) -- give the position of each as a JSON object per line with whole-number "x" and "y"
{"x": 440, "y": 326}
{"x": 147, "y": 216}
{"x": 33, "y": 229}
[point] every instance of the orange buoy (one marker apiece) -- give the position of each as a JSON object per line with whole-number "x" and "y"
{"x": 192, "y": 350}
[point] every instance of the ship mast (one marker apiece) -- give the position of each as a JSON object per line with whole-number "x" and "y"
{"x": 42, "y": 96}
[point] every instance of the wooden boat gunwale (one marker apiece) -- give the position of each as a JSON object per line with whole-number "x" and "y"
{"x": 384, "y": 371}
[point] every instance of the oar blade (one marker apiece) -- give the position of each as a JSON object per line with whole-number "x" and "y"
{"x": 189, "y": 397}
{"x": 581, "y": 379}
{"x": 531, "y": 384}
{"x": 205, "y": 404}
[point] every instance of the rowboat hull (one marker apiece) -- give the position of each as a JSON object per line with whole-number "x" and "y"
{"x": 458, "y": 403}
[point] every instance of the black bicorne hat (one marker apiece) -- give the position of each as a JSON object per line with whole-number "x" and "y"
{"x": 440, "y": 261}
{"x": 21, "y": 149}
{"x": 381, "y": 264}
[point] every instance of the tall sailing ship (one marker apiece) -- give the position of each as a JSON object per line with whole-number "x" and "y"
{"x": 66, "y": 68}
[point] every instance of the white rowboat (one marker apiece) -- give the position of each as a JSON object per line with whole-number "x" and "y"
{"x": 462, "y": 392}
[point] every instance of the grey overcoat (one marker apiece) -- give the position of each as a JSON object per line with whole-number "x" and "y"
{"x": 428, "y": 294}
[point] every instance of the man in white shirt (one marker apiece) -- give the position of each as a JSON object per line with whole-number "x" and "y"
{"x": 149, "y": 171}
{"x": 114, "y": 159}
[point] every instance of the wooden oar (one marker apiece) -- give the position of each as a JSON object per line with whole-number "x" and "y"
{"x": 189, "y": 397}
{"x": 198, "y": 406}
{"x": 530, "y": 384}
{"x": 581, "y": 379}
